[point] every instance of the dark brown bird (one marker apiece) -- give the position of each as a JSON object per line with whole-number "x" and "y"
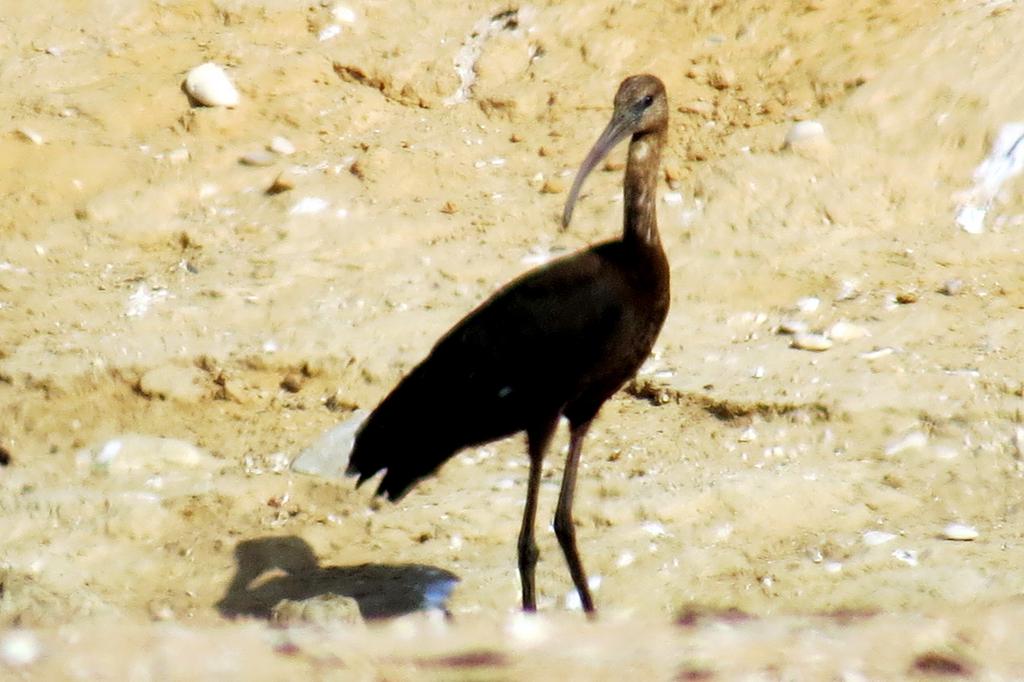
{"x": 556, "y": 342}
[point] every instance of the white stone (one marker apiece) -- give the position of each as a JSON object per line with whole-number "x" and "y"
{"x": 793, "y": 327}
{"x": 1018, "y": 441}
{"x": 260, "y": 158}
{"x": 136, "y": 452}
{"x": 343, "y": 14}
{"x": 952, "y": 287}
{"x": 907, "y": 556}
{"x": 654, "y": 528}
{"x": 808, "y": 304}
{"x": 915, "y": 440}
{"x": 328, "y": 32}
{"x": 960, "y": 531}
{"x": 309, "y": 206}
{"x": 878, "y": 353}
{"x": 873, "y": 538}
{"x": 178, "y": 156}
{"x": 847, "y": 331}
{"x": 329, "y": 455}
{"x": 19, "y": 648}
{"x": 805, "y": 131}
{"x": 30, "y": 135}
{"x": 209, "y": 84}
{"x": 142, "y": 298}
{"x": 847, "y": 290}
{"x": 811, "y": 341}
{"x": 282, "y": 145}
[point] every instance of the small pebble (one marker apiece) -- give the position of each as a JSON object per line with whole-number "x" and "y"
{"x": 449, "y": 208}
{"x": 19, "y": 648}
{"x": 133, "y": 452}
{"x": 284, "y": 182}
{"x": 699, "y": 107}
{"x": 803, "y": 132}
{"x": 915, "y": 440}
{"x": 952, "y": 287}
{"x": 178, "y": 156}
{"x": 308, "y": 206}
{"x": 878, "y": 353}
{"x": 281, "y": 145}
{"x": 343, "y": 14}
{"x": 552, "y": 186}
{"x": 811, "y": 341}
{"x": 793, "y": 327}
{"x": 259, "y": 158}
{"x": 808, "y": 304}
{"x": 654, "y": 528}
{"x": 873, "y": 538}
{"x": 140, "y": 300}
{"x": 292, "y": 382}
{"x": 328, "y": 457}
{"x": 960, "y": 531}
{"x": 907, "y": 556}
{"x": 906, "y": 297}
{"x": 210, "y": 85}
{"x": 723, "y": 78}
{"x": 172, "y": 382}
{"x": 847, "y": 291}
{"x": 30, "y": 135}
{"x": 321, "y": 610}
{"x": 328, "y": 32}
{"x": 846, "y": 331}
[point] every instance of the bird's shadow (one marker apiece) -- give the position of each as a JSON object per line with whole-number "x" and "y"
{"x": 272, "y": 569}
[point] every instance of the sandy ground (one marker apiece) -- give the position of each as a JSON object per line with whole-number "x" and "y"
{"x": 753, "y": 511}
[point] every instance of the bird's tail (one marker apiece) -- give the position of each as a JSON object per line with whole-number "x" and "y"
{"x": 407, "y": 437}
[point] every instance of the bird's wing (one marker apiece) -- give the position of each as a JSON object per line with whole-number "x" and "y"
{"x": 539, "y": 331}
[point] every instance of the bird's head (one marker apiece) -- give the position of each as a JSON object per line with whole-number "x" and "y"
{"x": 641, "y": 107}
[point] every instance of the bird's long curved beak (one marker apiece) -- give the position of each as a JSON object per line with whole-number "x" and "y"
{"x": 617, "y": 130}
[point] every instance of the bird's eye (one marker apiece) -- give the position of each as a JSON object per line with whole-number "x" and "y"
{"x": 647, "y": 101}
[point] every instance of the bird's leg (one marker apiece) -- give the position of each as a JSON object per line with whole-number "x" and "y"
{"x": 564, "y": 530}
{"x": 537, "y": 442}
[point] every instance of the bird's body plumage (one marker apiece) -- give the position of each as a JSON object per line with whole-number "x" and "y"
{"x": 515, "y": 361}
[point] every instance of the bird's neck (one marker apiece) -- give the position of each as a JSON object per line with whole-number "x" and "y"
{"x": 640, "y": 220}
